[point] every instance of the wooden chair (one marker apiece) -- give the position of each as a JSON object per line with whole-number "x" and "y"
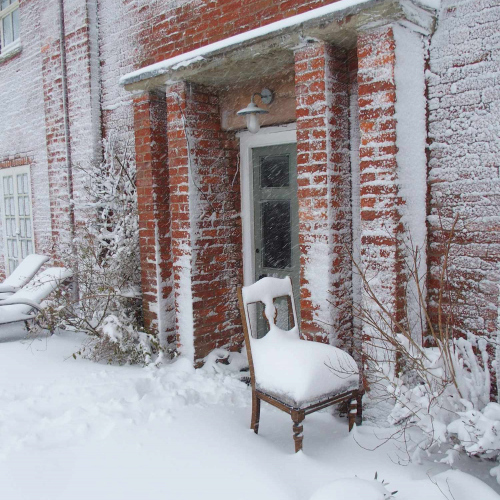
{"x": 292, "y": 374}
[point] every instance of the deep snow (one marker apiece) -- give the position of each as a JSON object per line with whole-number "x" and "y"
{"x": 76, "y": 429}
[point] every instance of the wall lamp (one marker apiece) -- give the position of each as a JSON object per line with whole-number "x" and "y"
{"x": 251, "y": 112}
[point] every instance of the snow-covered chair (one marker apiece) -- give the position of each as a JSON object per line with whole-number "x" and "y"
{"x": 295, "y": 375}
{"x": 21, "y": 275}
{"x": 26, "y": 303}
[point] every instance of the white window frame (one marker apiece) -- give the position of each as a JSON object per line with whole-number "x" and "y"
{"x": 4, "y": 13}
{"x": 5, "y": 172}
{"x": 267, "y": 136}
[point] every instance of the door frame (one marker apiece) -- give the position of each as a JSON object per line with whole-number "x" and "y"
{"x": 269, "y": 136}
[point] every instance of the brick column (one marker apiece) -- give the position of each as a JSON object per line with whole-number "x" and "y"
{"x": 323, "y": 175}
{"x": 206, "y": 225}
{"x": 150, "y": 123}
{"x": 381, "y": 203}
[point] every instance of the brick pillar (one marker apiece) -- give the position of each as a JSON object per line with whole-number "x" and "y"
{"x": 206, "y": 225}
{"x": 150, "y": 123}
{"x": 323, "y": 175}
{"x": 380, "y": 200}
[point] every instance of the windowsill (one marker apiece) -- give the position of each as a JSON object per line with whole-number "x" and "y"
{"x": 11, "y": 51}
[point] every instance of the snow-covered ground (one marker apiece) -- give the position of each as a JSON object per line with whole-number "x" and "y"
{"x": 76, "y": 429}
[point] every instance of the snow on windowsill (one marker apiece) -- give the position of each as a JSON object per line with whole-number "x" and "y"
{"x": 11, "y": 50}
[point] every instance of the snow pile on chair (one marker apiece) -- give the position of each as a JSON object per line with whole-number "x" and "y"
{"x": 296, "y": 370}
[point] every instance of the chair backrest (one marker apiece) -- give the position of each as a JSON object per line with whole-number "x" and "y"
{"x": 37, "y": 290}
{"x": 29, "y": 266}
{"x": 266, "y": 290}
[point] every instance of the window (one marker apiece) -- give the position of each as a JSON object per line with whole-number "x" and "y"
{"x": 17, "y": 218}
{"x": 9, "y": 24}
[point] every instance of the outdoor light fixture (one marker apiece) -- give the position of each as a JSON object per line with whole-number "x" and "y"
{"x": 251, "y": 112}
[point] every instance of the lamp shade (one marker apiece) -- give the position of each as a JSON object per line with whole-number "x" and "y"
{"x": 250, "y": 113}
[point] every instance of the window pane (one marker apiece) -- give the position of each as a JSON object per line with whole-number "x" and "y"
{"x": 15, "y": 23}
{"x": 5, "y": 4}
{"x": 7, "y": 29}
{"x": 276, "y": 234}
{"x": 274, "y": 171}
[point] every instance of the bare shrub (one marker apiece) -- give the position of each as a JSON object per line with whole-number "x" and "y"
{"x": 105, "y": 257}
{"x": 440, "y": 393}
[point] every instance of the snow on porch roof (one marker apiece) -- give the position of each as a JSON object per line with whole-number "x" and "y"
{"x": 321, "y": 23}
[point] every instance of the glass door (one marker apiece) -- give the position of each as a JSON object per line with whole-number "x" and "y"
{"x": 276, "y": 221}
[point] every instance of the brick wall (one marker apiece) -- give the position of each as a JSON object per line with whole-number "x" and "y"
{"x": 324, "y": 191}
{"x": 22, "y": 127}
{"x": 380, "y": 202}
{"x": 464, "y": 158}
{"x": 206, "y": 224}
{"x": 153, "y": 200}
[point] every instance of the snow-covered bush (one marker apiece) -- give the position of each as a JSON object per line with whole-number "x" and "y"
{"x": 105, "y": 258}
{"x": 441, "y": 393}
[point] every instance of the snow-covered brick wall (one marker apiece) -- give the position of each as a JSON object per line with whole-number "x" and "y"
{"x": 153, "y": 197}
{"x": 354, "y": 137}
{"x": 206, "y": 223}
{"x": 324, "y": 191}
{"x": 381, "y": 227}
{"x": 83, "y": 92}
{"x": 22, "y": 123}
{"x": 134, "y": 34}
{"x": 464, "y": 122}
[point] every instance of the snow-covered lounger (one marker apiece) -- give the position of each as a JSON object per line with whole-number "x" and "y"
{"x": 25, "y": 304}
{"x": 21, "y": 275}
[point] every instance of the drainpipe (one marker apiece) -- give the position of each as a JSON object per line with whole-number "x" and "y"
{"x": 69, "y": 165}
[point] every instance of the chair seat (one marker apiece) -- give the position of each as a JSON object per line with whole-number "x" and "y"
{"x": 300, "y": 372}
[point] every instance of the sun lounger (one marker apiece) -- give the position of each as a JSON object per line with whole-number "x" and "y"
{"x": 26, "y": 303}
{"x": 22, "y": 274}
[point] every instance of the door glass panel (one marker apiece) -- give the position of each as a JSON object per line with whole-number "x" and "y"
{"x": 276, "y": 234}
{"x": 275, "y": 224}
{"x": 274, "y": 171}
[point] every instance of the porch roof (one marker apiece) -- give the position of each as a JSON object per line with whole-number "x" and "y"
{"x": 266, "y": 50}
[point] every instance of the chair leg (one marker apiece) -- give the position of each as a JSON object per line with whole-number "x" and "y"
{"x": 353, "y": 411}
{"x": 359, "y": 416}
{"x": 255, "y": 413}
{"x": 298, "y": 417}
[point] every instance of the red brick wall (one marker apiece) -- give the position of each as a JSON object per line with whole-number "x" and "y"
{"x": 206, "y": 224}
{"x": 153, "y": 190}
{"x": 148, "y": 32}
{"x": 324, "y": 191}
{"x": 195, "y": 24}
{"x": 380, "y": 202}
